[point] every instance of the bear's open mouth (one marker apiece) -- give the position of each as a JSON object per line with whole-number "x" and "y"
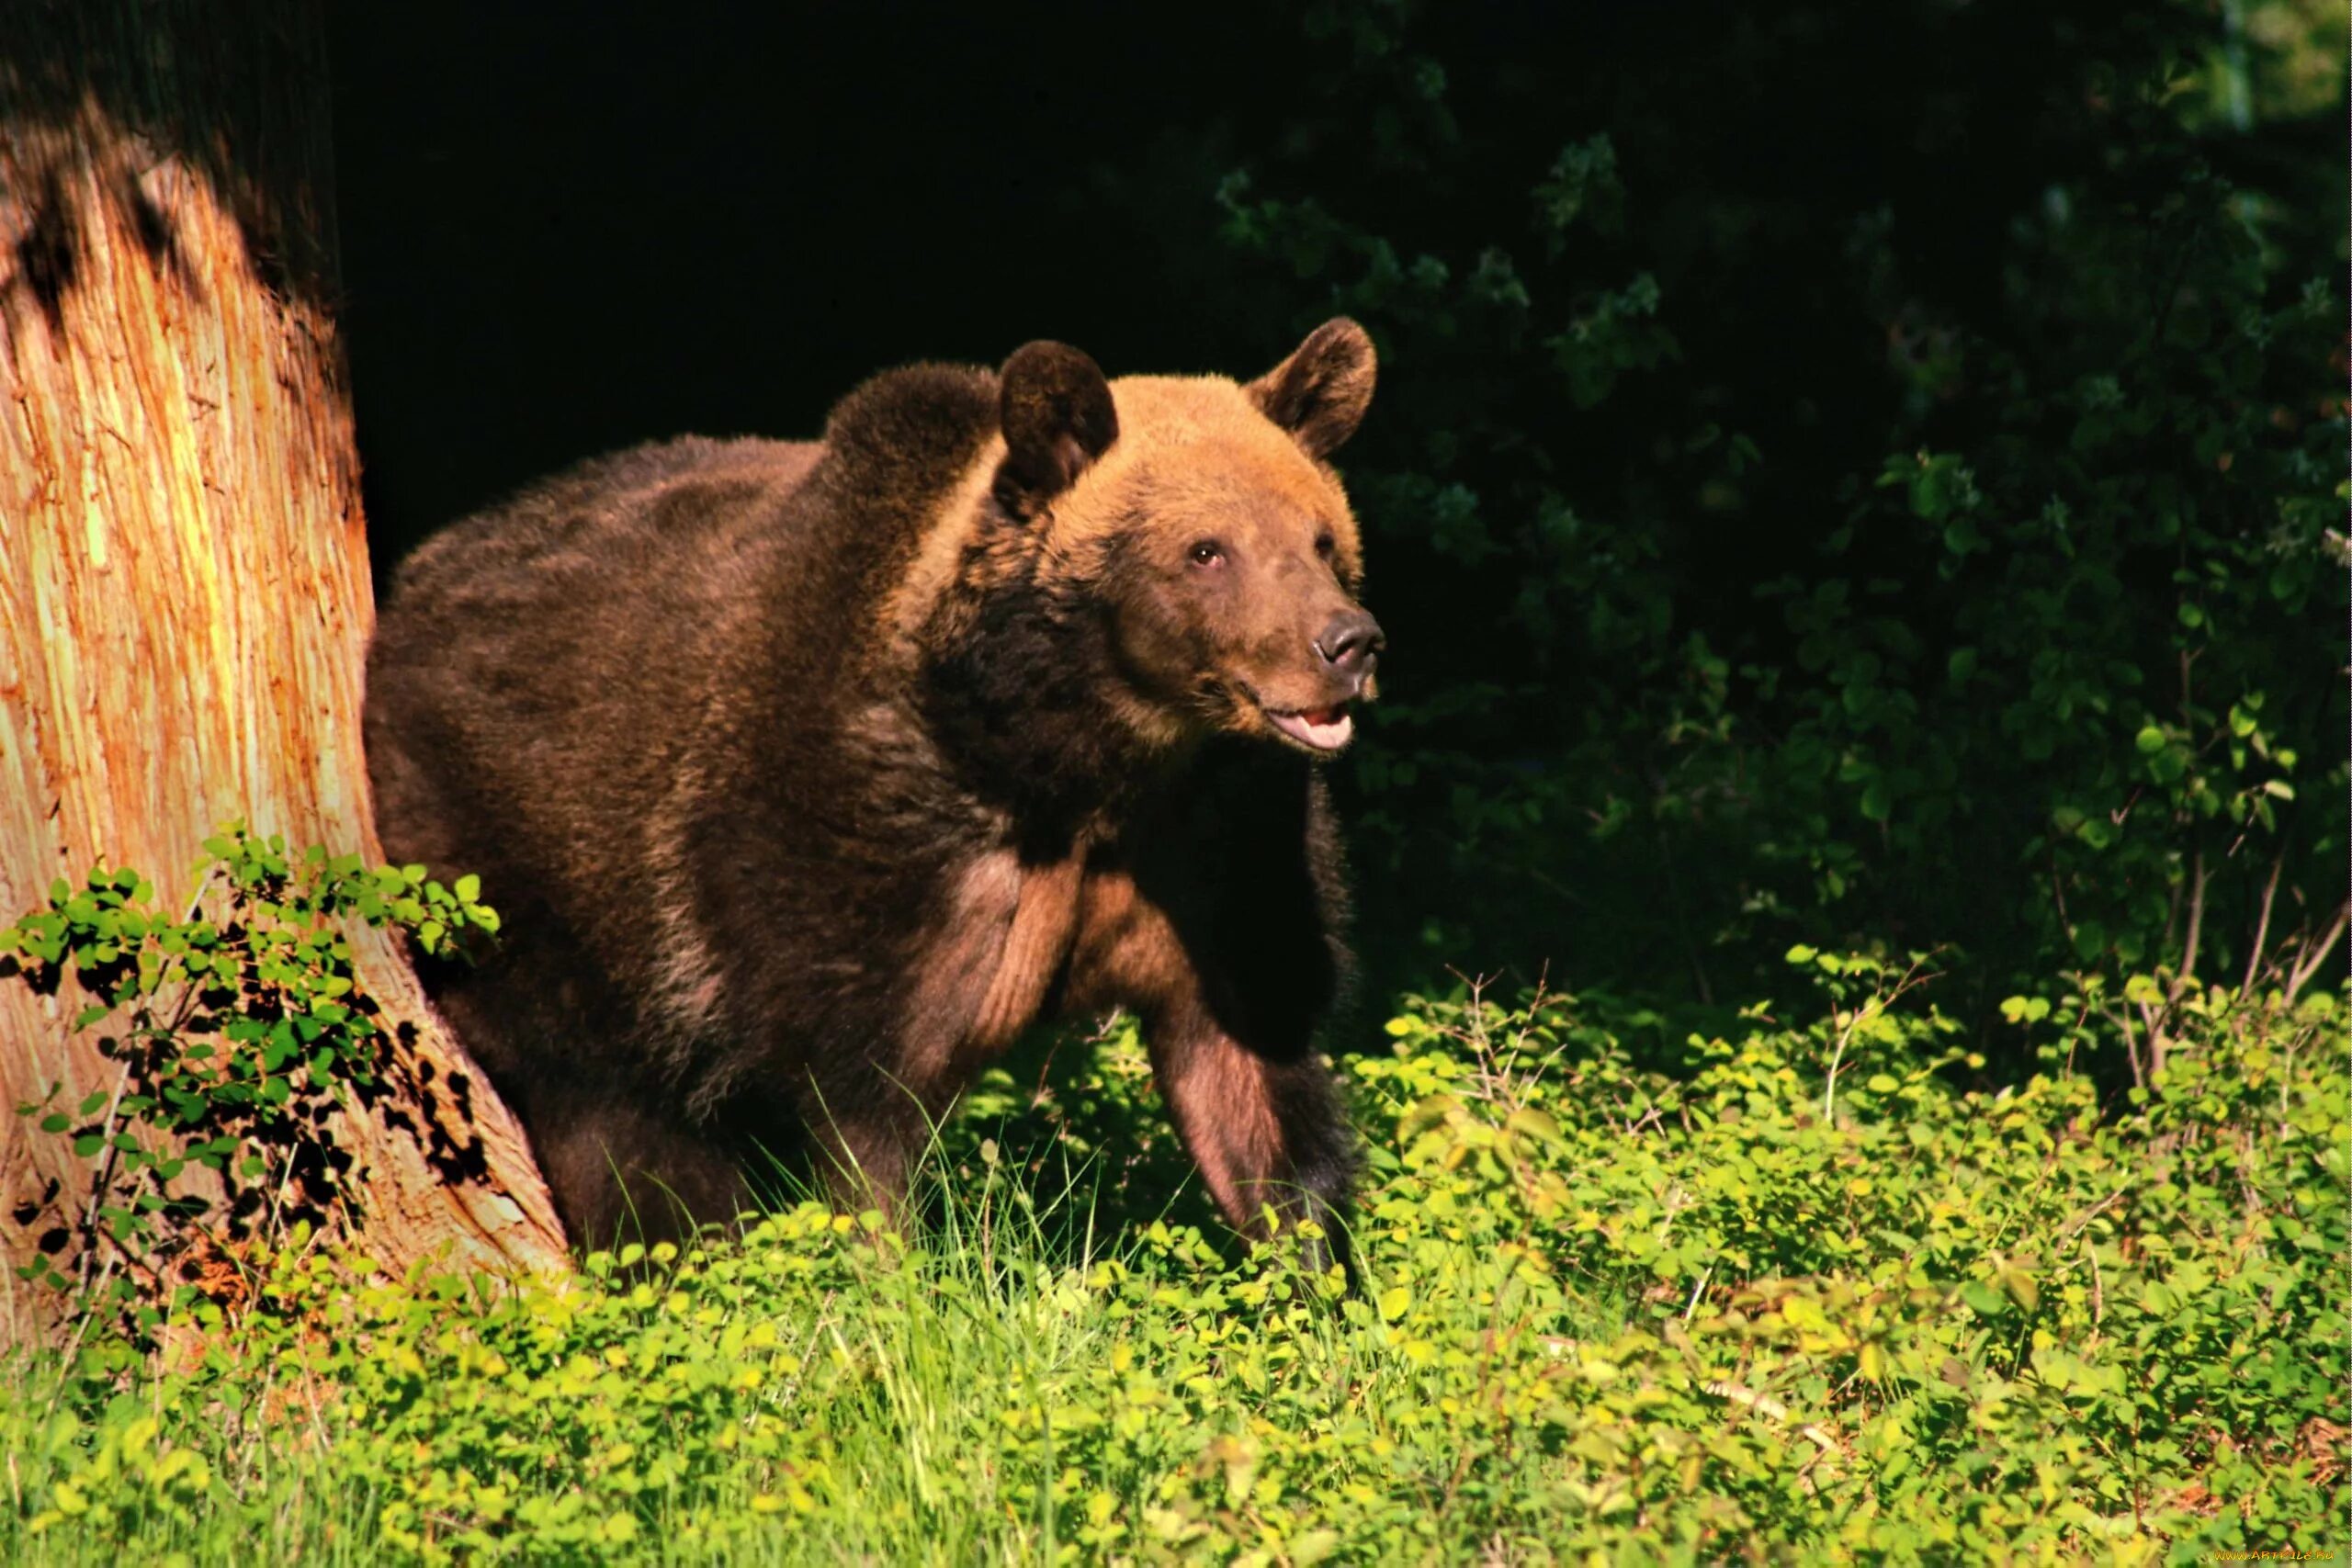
{"x": 1321, "y": 729}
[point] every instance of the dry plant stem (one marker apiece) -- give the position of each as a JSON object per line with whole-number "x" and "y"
{"x": 105, "y": 1178}
{"x": 2262, "y": 925}
{"x": 2196, "y": 929}
{"x": 2316, "y": 954}
{"x": 2121, "y": 1019}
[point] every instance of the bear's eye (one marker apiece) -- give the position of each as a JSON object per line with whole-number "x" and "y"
{"x": 1206, "y": 552}
{"x": 1324, "y": 545}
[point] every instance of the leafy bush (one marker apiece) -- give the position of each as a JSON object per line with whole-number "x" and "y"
{"x": 1813, "y": 1297}
{"x": 237, "y": 1035}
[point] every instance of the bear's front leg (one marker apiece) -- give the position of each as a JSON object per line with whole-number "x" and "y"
{"x": 1266, "y": 1129}
{"x": 1215, "y": 920}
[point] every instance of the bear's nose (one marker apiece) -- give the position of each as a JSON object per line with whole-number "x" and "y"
{"x": 1352, "y": 643}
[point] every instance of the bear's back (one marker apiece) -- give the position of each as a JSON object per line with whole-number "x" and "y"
{"x": 539, "y": 669}
{"x": 648, "y": 510}
{"x": 555, "y": 681}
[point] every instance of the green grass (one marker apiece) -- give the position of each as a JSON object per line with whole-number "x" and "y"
{"x": 1719, "y": 1312}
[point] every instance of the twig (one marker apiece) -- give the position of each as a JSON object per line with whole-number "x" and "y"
{"x": 285, "y": 1176}
{"x": 2195, "y": 930}
{"x": 2091, "y": 1214}
{"x": 1829, "y": 1088}
{"x": 2155, "y": 1020}
{"x": 2121, "y": 1019}
{"x": 106, "y": 1169}
{"x": 2262, "y": 926}
{"x": 2317, "y": 952}
{"x": 81, "y": 1327}
{"x": 1696, "y": 1290}
{"x": 1911, "y": 977}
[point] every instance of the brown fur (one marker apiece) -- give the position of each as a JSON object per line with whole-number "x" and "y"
{"x": 810, "y": 776}
{"x": 1034, "y": 948}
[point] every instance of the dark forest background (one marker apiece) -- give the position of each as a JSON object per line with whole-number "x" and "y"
{"x": 1866, "y": 475}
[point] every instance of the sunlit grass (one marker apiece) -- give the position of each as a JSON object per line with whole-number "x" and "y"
{"x": 1602, "y": 1311}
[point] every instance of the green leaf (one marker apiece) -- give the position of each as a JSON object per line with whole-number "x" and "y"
{"x": 1985, "y": 1301}
{"x": 2020, "y": 1288}
{"x": 1310, "y": 1546}
{"x": 1533, "y": 1124}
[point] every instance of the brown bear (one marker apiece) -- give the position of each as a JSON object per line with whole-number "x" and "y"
{"x": 808, "y": 776}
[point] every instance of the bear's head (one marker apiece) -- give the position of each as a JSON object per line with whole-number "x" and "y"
{"x": 1196, "y": 519}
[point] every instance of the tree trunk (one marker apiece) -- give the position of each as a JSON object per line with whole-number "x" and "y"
{"x": 185, "y": 599}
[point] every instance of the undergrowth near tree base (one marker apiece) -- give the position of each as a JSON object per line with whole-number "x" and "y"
{"x": 1816, "y": 1296}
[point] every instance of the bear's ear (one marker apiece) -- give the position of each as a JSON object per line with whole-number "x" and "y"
{"x": 1319, "y": 393}
{"x": 1058, "y": 416}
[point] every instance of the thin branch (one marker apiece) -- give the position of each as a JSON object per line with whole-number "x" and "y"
{"x": 2075, "y": 1226}
{"x": 105, "y": 1180}
{"x": 1881, "y": 1000}
{"x": 2157, "y": 1021}
{"x": 2262, "y": 926}
{"x": 2317, "y": 952}
{"x": 2195, "y": 930}
{"x": 82, "y": 1326}
{"x": 2121, "y": 1019}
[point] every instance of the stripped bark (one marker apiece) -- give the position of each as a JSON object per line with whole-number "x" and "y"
{"x": 184, "y": 597}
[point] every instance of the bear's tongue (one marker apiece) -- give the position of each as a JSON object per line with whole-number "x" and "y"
{"x": 1325, "y": 730}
